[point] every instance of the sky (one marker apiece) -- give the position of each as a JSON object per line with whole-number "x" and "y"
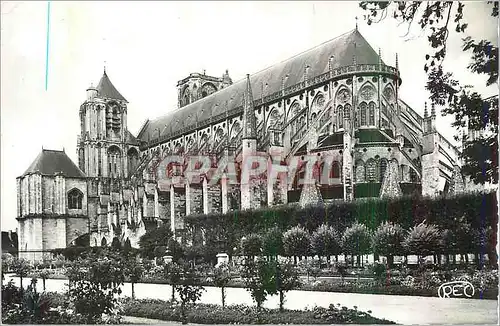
{"x": 148, "y": 46}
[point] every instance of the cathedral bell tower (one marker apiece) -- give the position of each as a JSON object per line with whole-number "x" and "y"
{"x": 104, "y": 141}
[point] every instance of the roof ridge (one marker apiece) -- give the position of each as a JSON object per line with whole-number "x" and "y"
{"x": 255, "y": 73}
{"x": 303, "y": 52}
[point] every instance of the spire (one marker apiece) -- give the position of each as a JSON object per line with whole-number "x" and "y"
{"x": 397, "y": 63}
{"x": 425, "y": 110}
{"x": 249, "y": 126}
{"x": 433, "y": 111}
{"x": 356, "y": 22}
{"x": 379, "y": 57}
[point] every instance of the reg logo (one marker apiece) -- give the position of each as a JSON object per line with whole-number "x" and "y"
{"x": 456, "y": 289}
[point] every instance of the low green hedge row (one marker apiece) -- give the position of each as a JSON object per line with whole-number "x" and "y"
{"x": 241, "y": 314}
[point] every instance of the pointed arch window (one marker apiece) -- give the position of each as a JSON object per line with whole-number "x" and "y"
{"x": 383, "y": 168}
{"x": 359, "y": 172}
{"x": 371, "y": 109}
{"x": 371, "y": 171}
{"x": 347, "y": 111}
{"x": 362, "y": 112}
{"x": 75, "y": 199}
{"x": 341, "y": 116}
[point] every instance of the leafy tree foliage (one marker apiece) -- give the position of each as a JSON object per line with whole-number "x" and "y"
{"x": 296, "y": 242}
{"x": 356, "y": 240}
{"x": 438, "y": 19}
{"x": 258, "y": 277}
{"x": 388, "y": 240}
{"x": 325, "y": 241}
{"x": 172, "y": 272}
{"x": 251, "y": 245}
{"x": 134, "y": 271}
{"x": 152, "y": 239}
{"x": 272, "y": 242}
{"x": 222, "y": 277}
{"x": 22, "y": 268}
{"x": 188, "y": 289}
{"x": 95, "y": 281}
{"x": 286, "y": 278}
{"x": 423, "y": 240}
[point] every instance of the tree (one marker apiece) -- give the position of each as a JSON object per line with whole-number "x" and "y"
{"x": 258, "y": 277}
{"x": 134, "y": 272}
{"x": 388, "y": 240}
{"x": 172, "y": 272}
{"x": 296, "y": 242}
{"x": 251, "y": 245}
{"x": 272, "y": 242}
{"x": 43, "y": 274}
{"x": 222, "y": 277}
{"x": 423, "y": 240}
{"x": 469, "y": 108}
{"x": 153, "y": 239}
{"x": 286, "y": 278}
{"x": 7, "y": 260}
{"x": 356, "y": 241}
{"x": 188, "y": 289}
{"x": 95, "y": 282}
{"x": 175, "y": 249}
{"x": 22, "y": 268}
{"x": 325, "y": 241}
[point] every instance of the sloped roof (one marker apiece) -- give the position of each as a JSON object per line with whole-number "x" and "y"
{"x": 105, "y": 89}
{"x": 50, "y": 162}
{"x": 343, "y": 48}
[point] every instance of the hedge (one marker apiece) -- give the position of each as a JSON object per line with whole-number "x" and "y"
{"x": 478, "y": 209}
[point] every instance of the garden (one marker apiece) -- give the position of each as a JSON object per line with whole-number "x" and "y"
{"x": 414, "y": 245}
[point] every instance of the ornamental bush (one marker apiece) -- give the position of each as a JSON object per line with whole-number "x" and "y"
{"x": 356, "y": 240}
{"x": 296, "y": 242}
{"x": 251, "y": 245}
{"x": 325, "y": 241}
{"x": 424, "y": 240}
{"x": 388, "y": 240}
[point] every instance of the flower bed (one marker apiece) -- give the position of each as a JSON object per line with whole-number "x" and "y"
{"x": 240, "y": 314}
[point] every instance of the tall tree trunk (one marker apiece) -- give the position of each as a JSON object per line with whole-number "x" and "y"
{"x": 43, "y": 282}
{"x": 21, "y": 278}
{"x": 223, "y": 297}
{"x": 183, "y": 313}
{"x": 173, "y": 292}
{"x": 282, "y": 300}
{"x": 133, "y": 292}
{"x": 390, "y": 261}
{"x": 467, "y": 259}
{"x": 336, "y": 258}
{"x": 295, "y": 260}
{"x": 454, "y": 257}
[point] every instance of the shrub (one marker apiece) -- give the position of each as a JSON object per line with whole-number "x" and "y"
{"x": 296, "y": 242}
{"x": 22, "y": 268}
{"x": 258, "y": 277}
{"x": 272, "y": 242}
{"x": 388, "y": 240}
{"x": 134, "y": 271}
{"x": 423, "y": 240}
{"x": 325, "y": 241}
{"x": 94, "y": 282}
{"x": 286, "y": 279}
{"x": 153, "y": 239}
{"x": 356, "y": 240}
{"x": 222, "y": 277}
{"x": 251, "y": 245}
{"x": 188, "y": 290}
{"x": 240, "y": 314}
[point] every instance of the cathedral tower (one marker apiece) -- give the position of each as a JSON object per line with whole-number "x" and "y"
{"x": 197, "y": 86}
{"x": 105, "y": 146}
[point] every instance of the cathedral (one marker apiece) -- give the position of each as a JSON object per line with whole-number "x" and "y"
{"x": 334, "y": 109}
